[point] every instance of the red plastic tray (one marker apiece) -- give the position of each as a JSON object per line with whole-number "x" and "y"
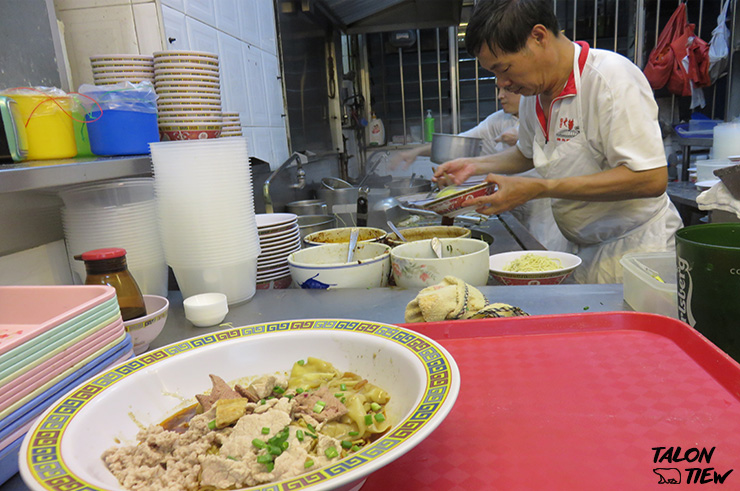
{"x": 576, "y": 402}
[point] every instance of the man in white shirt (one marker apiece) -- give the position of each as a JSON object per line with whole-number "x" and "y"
{"x": 588, "y": 124}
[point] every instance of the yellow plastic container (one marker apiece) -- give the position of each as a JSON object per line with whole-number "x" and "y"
{"x": 49, "y": 126}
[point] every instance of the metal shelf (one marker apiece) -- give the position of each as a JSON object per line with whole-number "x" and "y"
{"x": 40, "y": 174}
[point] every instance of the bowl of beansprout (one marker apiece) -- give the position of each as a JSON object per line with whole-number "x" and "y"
{"x": 310, "y": 404}
{"x": 532, "y": 267}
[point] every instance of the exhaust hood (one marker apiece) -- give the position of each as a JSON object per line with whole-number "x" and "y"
{"x": 363, "y": 16}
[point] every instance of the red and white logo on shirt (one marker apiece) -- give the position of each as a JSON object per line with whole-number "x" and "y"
{"x": 567, "y": 129}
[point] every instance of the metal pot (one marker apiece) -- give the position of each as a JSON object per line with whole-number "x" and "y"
{"x": 308, "y": 224}
{"x": 405, "y": 186}
{"x": 308, "y": 207}
{"x": 449, "y": 147}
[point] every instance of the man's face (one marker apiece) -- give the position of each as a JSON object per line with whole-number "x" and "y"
{"x": 509, "y": 101}
{"x": 521, "y": 72}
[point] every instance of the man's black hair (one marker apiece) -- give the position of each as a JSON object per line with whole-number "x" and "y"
{"x": 505, "y": 25}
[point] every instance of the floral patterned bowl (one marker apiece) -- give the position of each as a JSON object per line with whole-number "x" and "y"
{"x": 456, "y": 203}
{"x": 498, "y": 262}
{"x": 414, "y": 264}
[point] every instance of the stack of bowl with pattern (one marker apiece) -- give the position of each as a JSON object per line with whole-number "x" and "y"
{"x": 189, "y": 90}
{"x": 232, "y": 125}
{"x": 279, "y": 238}
{"x": 113, "y": 69}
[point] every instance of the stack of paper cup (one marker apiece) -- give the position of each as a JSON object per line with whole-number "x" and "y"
{"x": 113, "y": 69}
{"x": 232, "y": 125}
{"x": 120, "y": 213}
{"x": 205, "y": 209}
{"x": 189, "y": 90}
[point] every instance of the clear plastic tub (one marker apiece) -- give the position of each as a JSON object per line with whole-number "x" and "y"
{"x": 643, "y": 289}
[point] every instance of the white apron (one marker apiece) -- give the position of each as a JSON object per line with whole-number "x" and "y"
{"x": 601, "y": 232}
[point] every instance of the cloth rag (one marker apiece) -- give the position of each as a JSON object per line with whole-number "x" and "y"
{"x": 452, "y": 298}
{"x": 718, "y": 197}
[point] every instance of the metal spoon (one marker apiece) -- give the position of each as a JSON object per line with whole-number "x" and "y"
{"x": 352, "y": 243}
{"x": 437, "y": 247}
{"x": 396, "y": 231}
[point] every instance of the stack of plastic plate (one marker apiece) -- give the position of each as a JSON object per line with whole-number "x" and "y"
{"x": 189, "y": 90}
{"x": 205, "y": 209}
{"x": 232, "y": 125}
{"x": 113, "y": 69}
{"x": 279, "y": 237}
{"x": 51, "y": 339}
{"x": 120, "y": 213}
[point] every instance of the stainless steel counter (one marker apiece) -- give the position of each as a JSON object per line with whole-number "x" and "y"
{"x": 385, "y": 305}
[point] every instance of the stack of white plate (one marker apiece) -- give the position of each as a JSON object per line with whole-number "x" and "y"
{"x": 232, "y": 125}
{"x": 113, "y": 69}
{"x": 205, "y": 209}
{"x": 189, "y": 90}
{"x": 120, "y": 213}
{"x": 279, "y": 237}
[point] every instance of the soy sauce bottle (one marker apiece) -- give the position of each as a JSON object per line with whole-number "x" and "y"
{"x": 108, "y": 267}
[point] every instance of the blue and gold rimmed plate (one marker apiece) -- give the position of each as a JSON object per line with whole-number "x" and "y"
{"x": 63, "y": 448}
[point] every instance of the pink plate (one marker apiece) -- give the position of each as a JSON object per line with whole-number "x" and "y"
{"x": 456, "y": 203}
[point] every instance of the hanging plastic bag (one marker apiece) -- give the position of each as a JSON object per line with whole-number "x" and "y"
{"x": 661, "y": 60}
{"x": 719, "y": 45}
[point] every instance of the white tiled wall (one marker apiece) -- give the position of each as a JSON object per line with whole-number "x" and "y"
{"x": 242, "y": 32}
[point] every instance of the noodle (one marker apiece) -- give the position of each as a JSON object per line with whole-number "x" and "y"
{"x": 530, "y": 263}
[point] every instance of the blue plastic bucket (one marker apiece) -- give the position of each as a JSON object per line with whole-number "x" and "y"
{"x": 120, "y": 132}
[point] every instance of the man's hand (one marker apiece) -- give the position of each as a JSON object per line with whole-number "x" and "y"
{"x": 509, "y": 137}
{"x": 512, "y": 191}
{"x": 455, "y": 172}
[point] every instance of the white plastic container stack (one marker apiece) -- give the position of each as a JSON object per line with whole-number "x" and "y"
{"x": 649, "y": 282}
{"x": 205, "y": 208}
{"x": 120, "y": 213}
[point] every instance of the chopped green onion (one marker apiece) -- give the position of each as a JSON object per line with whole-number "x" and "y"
{"x": 368, "y": 420}
{"x": 331, "y": 452}
{"x": 317, "y": 408}
{"x": 355, "y": 448}
{"x": 265, "y": 430}
{"x": 311, "y": 427}
{"x": 379, "y": 417}
{"x": 299, "y": 435}
{"x": 346, "y": 444}
{"x": 342, "y": 386}
{"x": 338, "y": 394}
{"x": 343, "y": 400}
{"x": 285, "y": 445}
{"x": 308, "y": 463}
{"x": 277, "y": 389}
{"x": 230, "y": 457}
{"x": 270, "y": 466}
{"x": 311, "y": 435}
{"x": 375, "y": 407}
{"x": 301, "y": 362}
{"x": 212, "y": 424}
{"x": 353, "y": 433}
{"x": 259, "y": 443}
{"x": 274, "y": 450}
{"x": 263, "y": 402}
{"x": 299, "y": 390}
{"x": 264, "y": 459}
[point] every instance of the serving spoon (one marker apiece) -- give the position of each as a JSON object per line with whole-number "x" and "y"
{"x": 352, "y": 243}
{"x": 396, "y": 231}
{"x": 437, "y": 247}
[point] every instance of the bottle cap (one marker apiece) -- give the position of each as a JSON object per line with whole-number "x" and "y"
{"x": 98, "y": 254}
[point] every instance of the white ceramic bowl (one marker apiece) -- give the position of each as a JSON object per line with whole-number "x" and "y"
{"x": 109, "y": 408}
{"x": 498, "y": 262}
{"x": 144, "y": 330}
{"x": 326, "y": 266}
{"x": 205, "y": 309}
{"x": 415, "y": 265}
